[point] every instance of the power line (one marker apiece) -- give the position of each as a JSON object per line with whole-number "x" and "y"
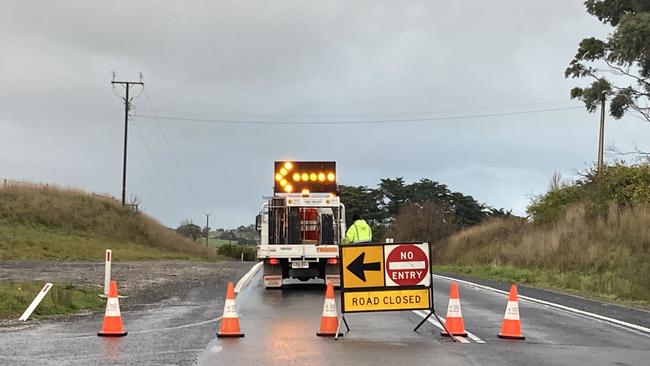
{"x": 162, "y": 168}
{"x": 171, "y": 151}
{"x": 307, "y": 116}
{"x": 151, "y": 153}
{"x": 363, "y": 122}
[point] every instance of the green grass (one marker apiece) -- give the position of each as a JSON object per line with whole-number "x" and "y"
{"x": 62, "y": 299}
{"x": 42, "y": 243}
{"x": 214, "y": 242}
{"x": 50, "y": 223}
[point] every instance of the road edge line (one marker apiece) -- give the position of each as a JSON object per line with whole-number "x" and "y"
{"x": 247, "y": 277}
{"x": 628, "y": 326}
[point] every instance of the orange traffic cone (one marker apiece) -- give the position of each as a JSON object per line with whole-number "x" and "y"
{"x": 511, "y": 328}
{"x": 454, "y": 322}
{"x": 329, "y": 319}
{"x": 230, "y": 320}
{"x": 112, "y": 326}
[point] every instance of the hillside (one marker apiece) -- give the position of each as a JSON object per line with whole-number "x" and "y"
{"x": 591, "y": 236}
{"x": 45, "y": 222}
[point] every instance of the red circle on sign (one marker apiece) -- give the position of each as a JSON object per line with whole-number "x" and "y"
{"x": 407, "y": 265}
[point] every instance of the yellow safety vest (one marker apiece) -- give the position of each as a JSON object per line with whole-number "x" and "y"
{"x": 359, "y": 232}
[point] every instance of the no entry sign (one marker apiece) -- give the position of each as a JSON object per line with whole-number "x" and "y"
{"x": 407, "y": 265}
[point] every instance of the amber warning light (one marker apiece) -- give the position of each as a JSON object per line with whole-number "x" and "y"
{"x": 305, "y": 176}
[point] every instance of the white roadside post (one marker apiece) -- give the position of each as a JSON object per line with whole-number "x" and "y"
{"x": 36, "y": 301}
{"x": 107, "y": 271}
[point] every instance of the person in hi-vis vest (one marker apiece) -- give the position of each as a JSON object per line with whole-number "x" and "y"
{"x": 358, "y": 232}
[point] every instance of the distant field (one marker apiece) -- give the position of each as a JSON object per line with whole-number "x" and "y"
{"x": 213, "y": 242}
{"x": 50, "y": 223}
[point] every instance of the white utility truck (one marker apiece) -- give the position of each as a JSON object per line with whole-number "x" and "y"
{"x": 302, "y": 225}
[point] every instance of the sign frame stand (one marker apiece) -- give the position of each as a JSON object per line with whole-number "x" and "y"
{"x": 338, "y": 329}
{"x": 432, "y": 310}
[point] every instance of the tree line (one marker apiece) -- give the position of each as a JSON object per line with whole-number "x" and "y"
{"x": 428, "y": 202}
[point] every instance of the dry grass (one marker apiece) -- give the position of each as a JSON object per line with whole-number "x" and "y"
{"x": 53, "y": 221}
{"x": 608, "y": 255}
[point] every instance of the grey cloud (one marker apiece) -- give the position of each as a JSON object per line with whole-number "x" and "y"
{"x": 60, "y": 123}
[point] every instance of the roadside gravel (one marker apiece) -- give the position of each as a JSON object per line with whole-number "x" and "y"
{"x": 144, "y": 282}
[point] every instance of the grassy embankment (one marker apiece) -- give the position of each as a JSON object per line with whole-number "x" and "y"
{"x": 589, "y": 238}
{"x": 48, "y": 223}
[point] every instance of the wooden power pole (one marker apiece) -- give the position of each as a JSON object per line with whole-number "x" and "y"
{"x": 207, "y": 228}
{"x": 601, "y": 137}
{"x": 127, "y": 107}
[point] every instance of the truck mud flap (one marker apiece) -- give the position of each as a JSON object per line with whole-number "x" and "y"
{"x": 273, "y": 281}
{"x": 272, "y": 275}
{"x": 333, "y": 279}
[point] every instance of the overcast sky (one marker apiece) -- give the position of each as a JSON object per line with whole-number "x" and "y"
{"x": 302, "y": 61}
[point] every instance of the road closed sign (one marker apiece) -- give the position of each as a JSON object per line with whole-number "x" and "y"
{"x": 407, "y": 264}
{"x": 385, "y": 277}
{"x": 357, "y": 301}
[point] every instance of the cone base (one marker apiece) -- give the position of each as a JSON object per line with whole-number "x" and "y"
{"x": 230, "y": 335}
{"x": 321, "y": 334}
{"x": 508, "y": 336}
{"x": 122, "y": 334}
{"x": 460, "y": 334}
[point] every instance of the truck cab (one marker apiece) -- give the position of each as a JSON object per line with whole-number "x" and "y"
{"x": 302, "y": 225}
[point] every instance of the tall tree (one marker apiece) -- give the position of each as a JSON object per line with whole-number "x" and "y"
{"x": 393, "y": 194}
{"x": 362, "y": 201}
{"x": 468, "y": 211}
{"x": 625, "y": 55}
{"x": 428, "y": 190}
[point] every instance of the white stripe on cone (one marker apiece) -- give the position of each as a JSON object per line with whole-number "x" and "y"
{"x": 453, "y": 310}
{"x": 112, "y": 307}
{"x": 329, "y": 308}
{"x": 512, "y": 311}
{"x": 230, "y": 309}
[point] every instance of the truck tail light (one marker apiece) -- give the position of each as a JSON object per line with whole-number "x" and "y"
{"x": 332, "y": 261}
{"x": 273, "y": 261}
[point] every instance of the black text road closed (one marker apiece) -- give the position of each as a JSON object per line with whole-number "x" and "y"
{"x": 407, "y": 265}
{"x": 383, "y": 300}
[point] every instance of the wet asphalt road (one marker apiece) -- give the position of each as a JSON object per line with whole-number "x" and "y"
{"x": 171, "y": 332}
{"x": 280, "y": 329}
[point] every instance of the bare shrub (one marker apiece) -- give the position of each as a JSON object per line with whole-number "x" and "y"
{"x": 423, "y": 222}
